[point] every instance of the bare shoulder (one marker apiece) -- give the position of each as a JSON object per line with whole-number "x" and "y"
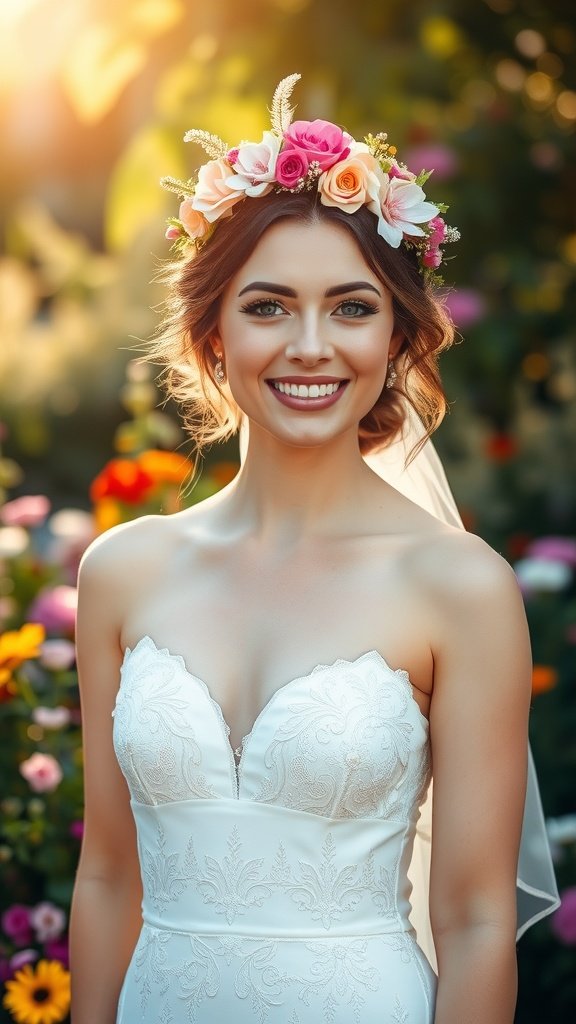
{"x": 458, "y": 566}
{"x": 124, "y": 547}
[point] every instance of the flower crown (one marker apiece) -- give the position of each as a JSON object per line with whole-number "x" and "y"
{"x": 297, "y": 156}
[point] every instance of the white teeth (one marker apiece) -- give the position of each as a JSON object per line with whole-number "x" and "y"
{"x": 305, "y": 391}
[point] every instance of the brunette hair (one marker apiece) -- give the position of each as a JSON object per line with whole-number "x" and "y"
{"x": 195, "y": 288}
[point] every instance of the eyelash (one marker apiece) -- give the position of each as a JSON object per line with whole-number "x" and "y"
{"x": 368, "y": 309}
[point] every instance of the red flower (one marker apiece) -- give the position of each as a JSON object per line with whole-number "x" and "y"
{"x": 122, "y": 479}
{"x": 501, "y": 447}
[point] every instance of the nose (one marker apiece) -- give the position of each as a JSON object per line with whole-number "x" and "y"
{"x": 310, "y": 343}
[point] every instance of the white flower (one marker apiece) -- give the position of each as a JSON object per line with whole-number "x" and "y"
{"x": 51, "y": 718}
{"x": 255, "y": 166}
{"x": 48, "y": 921}
{"x": 544, "y": 574}
{"x": 400, "y": 208}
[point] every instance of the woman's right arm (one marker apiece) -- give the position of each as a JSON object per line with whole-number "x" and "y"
{"x": 106, "y": 916}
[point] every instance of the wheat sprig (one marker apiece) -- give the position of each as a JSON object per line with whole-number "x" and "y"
{"x": 211, "y": 144}
{"x": 281, "y": 112}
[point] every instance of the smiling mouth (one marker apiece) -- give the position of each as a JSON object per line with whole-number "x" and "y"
{"x": 307, "y": 390}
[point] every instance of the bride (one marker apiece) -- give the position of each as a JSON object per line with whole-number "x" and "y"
{"x": 297, "y": 652}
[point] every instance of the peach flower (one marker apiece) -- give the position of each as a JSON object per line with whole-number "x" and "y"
{"x": 213, "y": 196}
{"x": 195, "y": 223}
{"x": 350, "y": 183}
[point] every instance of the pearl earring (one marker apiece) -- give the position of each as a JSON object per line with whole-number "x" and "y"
{"x": 392, "y": 376}
{"x": 219, "y": 372}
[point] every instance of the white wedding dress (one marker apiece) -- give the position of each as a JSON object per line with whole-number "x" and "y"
{"x": 275, "y": 889}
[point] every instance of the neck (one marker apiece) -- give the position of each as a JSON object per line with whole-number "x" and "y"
{"x": 286, "y": 493}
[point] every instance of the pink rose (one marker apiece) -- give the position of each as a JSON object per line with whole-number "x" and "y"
{"x": 29, "y": 510}
{"x": 213, "y": 196}
{"x": 438, "y": 226}
{"x": 42, "y": 772}
{"x": 291, "y": 166}
{"x": 320, "y": 140}
{"x": 55, "y": 608}
{"x": 432, "y": 258}
{"x": 195, "y": 223}
{"x": 350, "y": 183}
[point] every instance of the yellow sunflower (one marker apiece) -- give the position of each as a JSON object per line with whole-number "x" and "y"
{"x": 40, "y": 995}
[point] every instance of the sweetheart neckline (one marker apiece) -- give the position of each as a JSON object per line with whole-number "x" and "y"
{"x": 400, "y": 673}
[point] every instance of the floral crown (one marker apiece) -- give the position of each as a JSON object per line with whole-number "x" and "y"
{"x": 298, "y": 156}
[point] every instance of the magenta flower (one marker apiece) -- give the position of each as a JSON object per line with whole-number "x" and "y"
{"x": 57, "y": 949}
{"x": 42, "y": 772}
{"x": 466, "y": 307}
{"x": 16, "y": 923}
{"x": 558, "y": 549}
{"x": 29, "y": 510}
{"x": 55, "y": 608}
{"x": 443, "y": 159}
{"x": 291, "y": 166}
{"x": 432, "y": 258}
{"x": 77, "y": 829}
{"x": 563, "y": 920}
{"x": 23, "y": 957}
{"x": 48, "y": 921}
{"x": 319, "y": 140}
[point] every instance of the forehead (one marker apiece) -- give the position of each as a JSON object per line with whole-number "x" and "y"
{"x": 301, "y": 253}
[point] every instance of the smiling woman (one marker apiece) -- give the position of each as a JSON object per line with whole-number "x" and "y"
{"x": 287, "y": 662}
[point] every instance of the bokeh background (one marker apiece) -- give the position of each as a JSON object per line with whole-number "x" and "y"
{"x": 95, "y": 97}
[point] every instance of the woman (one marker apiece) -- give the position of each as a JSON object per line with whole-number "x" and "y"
{"x": 299, "y": 649}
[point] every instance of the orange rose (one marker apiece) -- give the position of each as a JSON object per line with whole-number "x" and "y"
{"x": 195, "y": 223}
{"x": 213, "y": 196}
{"x": 350, "y": 183}
{"x": 165, "y": 467}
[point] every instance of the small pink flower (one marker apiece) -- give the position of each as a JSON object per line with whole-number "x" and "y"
{"x": 466, "y": 307}
{"x": 232, "y": 156}
{"x": 16, "y": 923}
{"x": 432, "y": 258}
{"x": 51, "y": 718}
{"x": 57, "y": 654}
{"x": 213, "y": 196}
{"x": 443, "y": 159}
{"x": 396, "y": 171}
{"x": 77, "y": 829}
{"x": 291, "y": 166}
{"x": 559, "y": 549}
{"x": 438, "y": 226}
{"x": 320, "y": 140}
{"x": 48, "y": 921}
{"x": 55, "y": 608}
{"x": 57, "y": 949}
{"x": 255, "y": 166}
{"x": 563, "y": 920}
{"x": 42, "y": 772}
{"x": 172, "y": 233}
{"x": 195, "y": 223}
{"x": 29, "y": 510}
{"x": 23, "y": 957}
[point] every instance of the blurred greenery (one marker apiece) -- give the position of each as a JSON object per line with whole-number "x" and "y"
{"x": 485, "y": 91}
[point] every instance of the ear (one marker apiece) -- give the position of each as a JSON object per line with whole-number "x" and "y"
{"x": 397, "y": 341}
{"x": 216, "y": 346}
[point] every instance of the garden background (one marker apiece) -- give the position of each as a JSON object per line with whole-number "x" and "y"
{"x": 95, "y": 97}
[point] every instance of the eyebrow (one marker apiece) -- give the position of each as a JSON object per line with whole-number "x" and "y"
{"x": 281, "y": 289}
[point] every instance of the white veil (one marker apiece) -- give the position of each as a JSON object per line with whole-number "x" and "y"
{"x": 424, "y": 482}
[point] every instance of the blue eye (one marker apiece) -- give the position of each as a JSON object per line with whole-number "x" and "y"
{"x": 354, "y": 308}
{"x": 264, "y": 308}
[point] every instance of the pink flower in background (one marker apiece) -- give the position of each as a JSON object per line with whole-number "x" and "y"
{"x": 16, "y": 923}
{"x": 55, "y": 608}
{"x": 558, "y": 549}
{"x": 443, "y": 159}
{"x": 42, "y": 772}
{"x": 320, "y": 140}
{"x": 466, "y": 307}
{"x": 23, "y": 957}
{"x": 77, "y": 829}
{"x": 51, "y": 718}
{"x": 563, "y": 920}
{"x": 57, "y": 949}
{"x": 29, "y": 510}
{"x": 5, "y": 969}
{"x": 48, "y": 921}
{"x": 57, "y": 654}
{"x": 290, "y": 167}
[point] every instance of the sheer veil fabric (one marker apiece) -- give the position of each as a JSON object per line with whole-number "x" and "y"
{"x": 424, "y": 482}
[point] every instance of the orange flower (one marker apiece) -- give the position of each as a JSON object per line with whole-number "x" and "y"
{"x": 164, "y": 467}
{"x": 16, "y": 646}
{"x": 223, "y": 472}
{"x": 544, "y": 678}
{"x": 123, "y": 479}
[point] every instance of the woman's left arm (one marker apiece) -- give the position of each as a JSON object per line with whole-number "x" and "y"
{"x": 479, "y": 726}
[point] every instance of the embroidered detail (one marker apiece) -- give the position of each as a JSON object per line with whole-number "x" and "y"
{"x": 235, "y": 885}
{"x": 343, "y": 968}
{"x": 399, "y": 1015}
{"x": 165, "y": 881}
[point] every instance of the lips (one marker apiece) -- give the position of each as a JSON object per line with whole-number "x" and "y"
{"x": 307, "y": 392}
